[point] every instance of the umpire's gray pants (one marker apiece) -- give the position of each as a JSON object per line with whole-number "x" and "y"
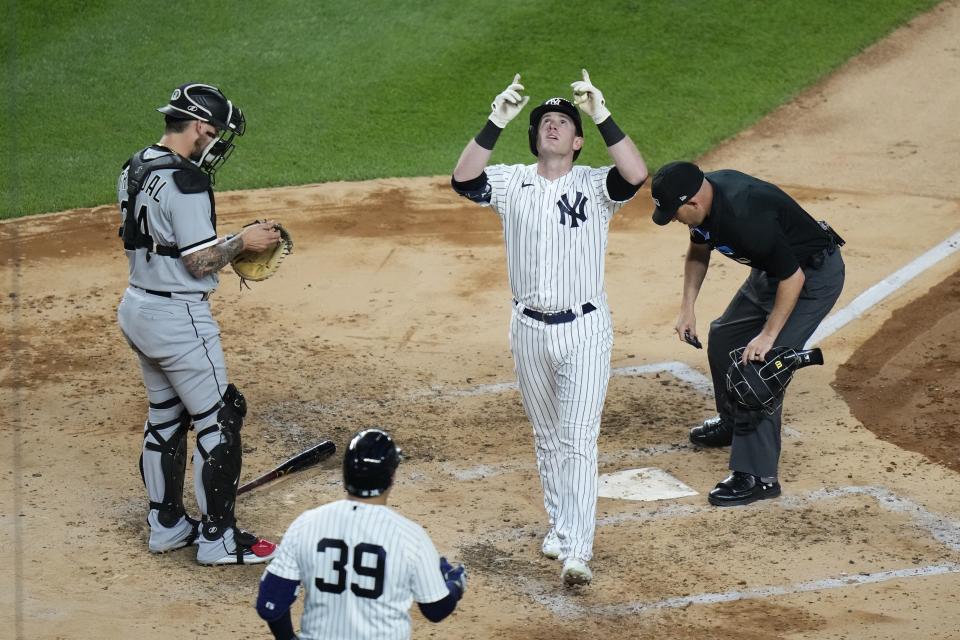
{"x": 756, "y": 438}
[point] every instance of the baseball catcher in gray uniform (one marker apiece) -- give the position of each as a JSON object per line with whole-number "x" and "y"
{"x": 168, "y": 228}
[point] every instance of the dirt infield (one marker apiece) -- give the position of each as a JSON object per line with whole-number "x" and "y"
{"x": 394, "y": 310}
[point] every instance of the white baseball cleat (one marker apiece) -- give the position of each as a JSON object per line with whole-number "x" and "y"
{"x": 575, "y": 572}
{"x": 183, "y": 534}
{"x": 235, "y": 546}
{"x": 551, "y": 545}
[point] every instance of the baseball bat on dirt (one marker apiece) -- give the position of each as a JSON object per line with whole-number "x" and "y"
{"x": 302, "y": 460}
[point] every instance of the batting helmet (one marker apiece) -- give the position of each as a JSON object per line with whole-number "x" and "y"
{"x": 369, "y": 463}
{"x": 559, "y": 105}
{"x": 204, "y": 102}
{"x": 760, "y": 385}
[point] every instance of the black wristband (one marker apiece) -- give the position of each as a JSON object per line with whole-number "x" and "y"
{"x": 488, "y": 135}
{"x": 610, "y": 132}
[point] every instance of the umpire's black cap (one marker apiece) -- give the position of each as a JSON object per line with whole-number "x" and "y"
{"x": 672, "y": 185}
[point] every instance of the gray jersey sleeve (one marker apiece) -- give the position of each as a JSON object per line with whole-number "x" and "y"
{"x": 191, "y": 220}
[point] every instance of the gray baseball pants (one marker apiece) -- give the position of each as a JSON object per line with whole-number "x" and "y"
{"x": 756, "y": 440}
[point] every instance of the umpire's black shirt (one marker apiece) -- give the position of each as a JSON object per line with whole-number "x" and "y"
{"x": 757, "y": 224}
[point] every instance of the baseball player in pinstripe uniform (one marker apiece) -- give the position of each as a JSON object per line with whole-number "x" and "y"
{"x": 168, "y": 227}
{"x": 555, "y": 219}
{"x": 361, "y": 563}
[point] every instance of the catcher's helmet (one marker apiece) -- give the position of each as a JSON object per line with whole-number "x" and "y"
{"x": 760, "y": 385}
{"x": 204, "y": 102}
{"x": 369, "y": 463}
{"x": 560, "y": 105}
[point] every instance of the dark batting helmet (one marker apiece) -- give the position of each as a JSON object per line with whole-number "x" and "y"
{"x": 205, "y": 102}
{"x": 559, "y": 105}
{"x": 369, "y": 463}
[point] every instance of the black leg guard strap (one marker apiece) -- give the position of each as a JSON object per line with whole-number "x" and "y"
{"x": 221, "y": 465}
{"x": 220, "y": 475}
{"x": 173, "y": 465}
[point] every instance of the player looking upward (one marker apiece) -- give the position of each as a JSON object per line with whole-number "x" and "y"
{"x": 556, "y": 217}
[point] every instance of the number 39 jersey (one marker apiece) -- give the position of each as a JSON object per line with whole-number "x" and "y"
{"x": 361, "y": 566}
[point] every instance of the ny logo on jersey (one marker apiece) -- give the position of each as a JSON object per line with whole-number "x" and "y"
{"x": 576, "y": 212}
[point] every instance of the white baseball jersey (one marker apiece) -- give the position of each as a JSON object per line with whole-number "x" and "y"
{"x": 361, "y": 565}
{"x": 555, "y": 233}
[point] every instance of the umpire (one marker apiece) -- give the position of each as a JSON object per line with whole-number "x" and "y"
{"x": 796, "y": 276}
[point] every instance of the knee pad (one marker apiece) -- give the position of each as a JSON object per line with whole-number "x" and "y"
{"x": 233, "y": 409}
{"x": 173, "y": 464}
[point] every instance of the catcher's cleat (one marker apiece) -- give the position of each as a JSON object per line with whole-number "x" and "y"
{"x": 551, "y": 545}
{"x": 247, "y": 548}
{"x": 575, "y": 572}
{"x": 181, "y": 535}
{"x": 714, "y": 432}
{"x": 742, "y": 488}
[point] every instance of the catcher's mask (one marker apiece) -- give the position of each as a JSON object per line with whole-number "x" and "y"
{"x": 558, "y": 105}
{"x": 369, "y": 463}
{"x": 760, "y": 385}
{"x": 204, "y": 102}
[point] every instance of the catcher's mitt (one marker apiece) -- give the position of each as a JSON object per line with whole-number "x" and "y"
{"x": 760, "y": 385}
{"x": 261, "y": 265}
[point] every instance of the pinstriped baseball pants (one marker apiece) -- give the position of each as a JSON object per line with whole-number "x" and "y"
{"x": 563, "y": 371}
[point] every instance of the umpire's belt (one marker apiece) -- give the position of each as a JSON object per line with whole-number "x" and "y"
{"x": 195, "y": 296}
{"x": 816, "y": 260}
{"x": 556, "y": 317}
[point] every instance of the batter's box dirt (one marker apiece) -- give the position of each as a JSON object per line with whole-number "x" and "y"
{"x": 824, "y": 540}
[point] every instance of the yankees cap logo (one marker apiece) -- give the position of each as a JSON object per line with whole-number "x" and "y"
{"x": 555, "y": 101}
{"x": 656, "y": 202}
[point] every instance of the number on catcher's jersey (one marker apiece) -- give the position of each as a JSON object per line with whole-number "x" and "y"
{"x": 341, "y": 553}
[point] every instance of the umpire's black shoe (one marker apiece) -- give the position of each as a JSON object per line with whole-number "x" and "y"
{"x": 742, "y": 488}
{"x": 714, "y": 432}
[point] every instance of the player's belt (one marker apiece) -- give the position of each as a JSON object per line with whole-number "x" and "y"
{"x": 556, "y": 317}
{"x": 198, "y": 296}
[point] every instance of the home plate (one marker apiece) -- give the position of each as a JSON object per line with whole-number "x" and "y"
{"x": 642, "y": 484}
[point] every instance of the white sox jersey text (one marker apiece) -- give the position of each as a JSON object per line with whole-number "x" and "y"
{"x": 555, "y": 232}
{"x": 362, "y": 566}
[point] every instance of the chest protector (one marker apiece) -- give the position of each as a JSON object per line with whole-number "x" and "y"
{"x": 188, "y": 178}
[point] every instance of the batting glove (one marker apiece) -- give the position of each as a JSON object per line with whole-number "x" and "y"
{"x": 508, "y": 103}
{"x": 589, "y": 99}
{"x": 456, "y": 574}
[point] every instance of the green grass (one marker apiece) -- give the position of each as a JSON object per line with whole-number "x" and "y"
{"x": 350, "y": 90}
